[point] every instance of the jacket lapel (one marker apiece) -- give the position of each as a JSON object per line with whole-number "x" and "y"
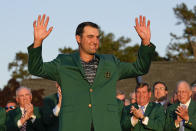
{"x": 76, "y": 58}
{"x": 191, "y": 108}
{"x": 18, "y": 113}
{"x": 99, "y": 69}
{"x": 149, "y": 109}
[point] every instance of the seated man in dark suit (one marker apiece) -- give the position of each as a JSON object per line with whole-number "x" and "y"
{"x": 50, "y": 110}
{"x": 26, "y": 117}
{"x": 144, "y": 115}
{"x": 2, "y": 119}
{"x": 181, "y": 115}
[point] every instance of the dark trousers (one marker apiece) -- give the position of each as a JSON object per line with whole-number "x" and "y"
{"x": 92, "y": 127}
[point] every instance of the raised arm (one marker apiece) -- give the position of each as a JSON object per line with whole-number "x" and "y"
{"x": 36, "y": 66}
{"x": 40, "y": 30}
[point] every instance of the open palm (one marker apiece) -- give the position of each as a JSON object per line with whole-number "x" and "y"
{"x": 143, "y": 30}
{"x": 40, "y": 29}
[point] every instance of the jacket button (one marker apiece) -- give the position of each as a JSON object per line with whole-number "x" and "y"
{"x": 89, "y": 105}
{"x": 91, "y": 90}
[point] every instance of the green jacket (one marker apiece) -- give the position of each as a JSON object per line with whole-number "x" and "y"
{"x": 155, "y": 113}
{"x": 83, "y": 103}
{"x": 51, "y": 122}
{"x": 14, "y": 115}
{"x": 171, "y": 116}
{"x": 2, "y": 119}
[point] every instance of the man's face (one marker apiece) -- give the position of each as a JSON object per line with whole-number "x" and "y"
{"x": 183, "y": 93}
{"x": 10, "y": 106}
{"x": 159, "y": 92}
{"x": 23, "y": 97}
{"x": 143, "y": 96}
{"x": 89, "y": 41}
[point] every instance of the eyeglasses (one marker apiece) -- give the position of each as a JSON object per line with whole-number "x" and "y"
{"x": 11, "y": 107}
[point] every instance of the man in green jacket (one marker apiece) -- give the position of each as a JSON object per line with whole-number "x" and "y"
{"x": 50, "y": 110}
{"x": 143, "y": 115}
{"x": 26, "y": 117}
{"x": 181, "y": 116}
{"x": 88, "y": 80}
{"x": 2, "y": 119}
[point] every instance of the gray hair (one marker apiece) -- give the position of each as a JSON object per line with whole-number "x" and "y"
{"x": 182, "y": 81}
{"x": 22, "y": 87}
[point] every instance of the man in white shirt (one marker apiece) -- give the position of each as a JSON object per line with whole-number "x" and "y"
{"x": 26, "y": 117}
{"x": 144, "y": 115}
{"x": 181, "y": 116}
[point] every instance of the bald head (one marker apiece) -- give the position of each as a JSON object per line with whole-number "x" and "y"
{"x": 183, "y": 92}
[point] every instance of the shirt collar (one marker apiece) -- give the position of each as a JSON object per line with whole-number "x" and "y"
{"x": 187, "y": 103}
{"x": 94, "y": 59}
{"x": 144, "y": 105}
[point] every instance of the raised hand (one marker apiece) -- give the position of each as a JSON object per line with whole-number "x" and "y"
{"x": 59, "y": 94}
{"x": 143, "y": 30}
{"x": 40, "y": 30}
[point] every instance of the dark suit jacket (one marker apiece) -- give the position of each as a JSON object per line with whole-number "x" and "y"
{"x": 14, "y": 115}
{"x": 51, "y": 122}
{"x": 83, "y": 103}
{"x": 155, "y": 113}
{"x": 171, "y": 116}
{"x": 2, "y": 119}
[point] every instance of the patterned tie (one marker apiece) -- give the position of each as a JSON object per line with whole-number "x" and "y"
{"x": 142, "y": 108}
{"x": 23, "y": 128}
{"x": 183, "y": 121}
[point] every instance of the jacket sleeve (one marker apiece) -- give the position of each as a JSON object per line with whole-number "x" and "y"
{"x": 191, "y": 124}
{"x": 47, "y": 114}
{"x": 138, "y": 68}
{"x": 2, "y": 119}
{"x": 157, "y": 120}
{"x": 170, "y": 119}
{"x": 37, "y": 124}
{"x": 37, "y": 67}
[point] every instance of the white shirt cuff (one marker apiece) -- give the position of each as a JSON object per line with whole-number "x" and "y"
{"x": 134, "y": 121}
{"x": 145, "y": 120}
{"x": 56, "y": 111}
{"x": 177, "y": 125}
{"x": 33, "y": 118}
{"x": 19, "y": 124}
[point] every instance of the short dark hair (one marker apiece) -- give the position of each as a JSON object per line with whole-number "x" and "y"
{"x": 80, "y": 28}
{"x": 141, "y": 85}
{"x": 160, "y": 82}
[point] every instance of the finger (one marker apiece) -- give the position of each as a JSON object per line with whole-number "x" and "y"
{"x": 148, "y": 24}
{"x": 43, "y": 18}
{"x": 38, "y": 20}
{"x": 177, "y": 113}
{"x": 140, "y": 20}
{"x": 34, "y": 23}
{"x": 49, "y": 30}
{"x": 136, "y": 22}
{"x": 46, "y": 22}
{"x": 144, "y": 21}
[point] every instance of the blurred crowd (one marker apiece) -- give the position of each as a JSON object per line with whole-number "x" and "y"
{"x": 147, "y": 108}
